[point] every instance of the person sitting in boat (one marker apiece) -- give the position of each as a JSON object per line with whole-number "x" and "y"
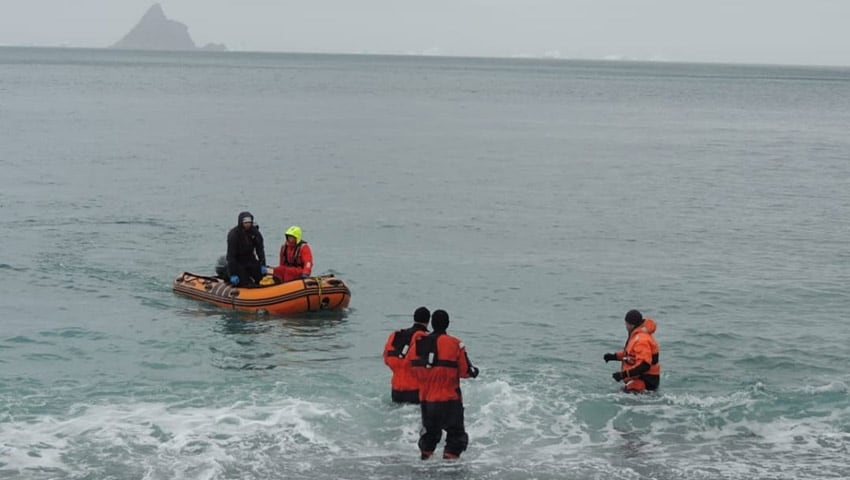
{"x": 246, "y": 255}
{"x": 640, "y": 368}
{"x": 296, "y": 258}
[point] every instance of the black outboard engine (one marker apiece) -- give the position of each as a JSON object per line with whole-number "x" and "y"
{"x": 221, "y": 268}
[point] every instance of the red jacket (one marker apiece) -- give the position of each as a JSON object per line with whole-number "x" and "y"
{"x": 641, "y": 347}
{"x": 294, "y": 262}
{"x": 439, "y": 377}
{"x": 399, "y": 360}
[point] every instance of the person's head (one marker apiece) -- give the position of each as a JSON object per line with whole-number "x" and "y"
{"x": 246, "y": 220}
{"x": 422, "y": 315}
{"x": 633, "y": 319}
{"x": 293, "y": 235}
{"x": 440, "y": 320}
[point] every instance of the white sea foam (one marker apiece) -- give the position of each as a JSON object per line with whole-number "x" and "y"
{"x": 831, "y": 387}
{"x": 199, "y": 442}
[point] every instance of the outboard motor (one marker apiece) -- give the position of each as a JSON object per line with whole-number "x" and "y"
{"x": 221, "y": 268}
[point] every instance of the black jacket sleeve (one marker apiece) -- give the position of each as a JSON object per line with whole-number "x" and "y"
{"x": 259, "y": 246}
{"x": 232, "y": 249}
{"x": 638, "y": 371}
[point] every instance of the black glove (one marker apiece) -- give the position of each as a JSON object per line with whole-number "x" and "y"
{"x": 609, "y": 357}
{"x": 617, "y": 376}
{"x": 473, "y": 371}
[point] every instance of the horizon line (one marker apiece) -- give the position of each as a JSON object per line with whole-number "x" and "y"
{"x": 547, "y": 57}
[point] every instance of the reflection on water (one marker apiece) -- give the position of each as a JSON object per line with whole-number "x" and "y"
{"x": 311, "y": 324}
{"x": 258, "y": 341}
{"x": 319, "y": 324}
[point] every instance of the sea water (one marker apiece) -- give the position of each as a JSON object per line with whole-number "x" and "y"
{"x": 534, "y": 200}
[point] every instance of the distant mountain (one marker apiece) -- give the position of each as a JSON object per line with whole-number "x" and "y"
{"x": 156, "y": 32}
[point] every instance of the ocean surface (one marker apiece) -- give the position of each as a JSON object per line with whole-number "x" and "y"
{"x": 534, "y": 200}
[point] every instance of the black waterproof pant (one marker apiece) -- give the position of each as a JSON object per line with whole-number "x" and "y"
{"x": 405, "y": 396}
{"x": 439, "y": 416}
{"x": 248, "y": 272}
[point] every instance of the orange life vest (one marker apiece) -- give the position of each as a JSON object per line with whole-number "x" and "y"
{"x": 439, "y": 362}
{"x": 294, "y": 262}
{"x": 641, "y": 347}
{"x": 396, "y": 356}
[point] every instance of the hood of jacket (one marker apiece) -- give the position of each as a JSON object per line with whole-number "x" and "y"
{"x": 244, "y": 215}
{"x": 649, "y": 326}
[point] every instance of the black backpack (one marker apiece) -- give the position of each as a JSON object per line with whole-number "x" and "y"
{"x": 401, "y": 342}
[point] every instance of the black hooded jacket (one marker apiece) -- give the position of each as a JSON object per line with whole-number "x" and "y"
{"x": 242, "y": 245}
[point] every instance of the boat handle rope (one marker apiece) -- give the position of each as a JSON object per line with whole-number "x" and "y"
{"x": 233, "y": 293}
{"x": 319, "y": 282}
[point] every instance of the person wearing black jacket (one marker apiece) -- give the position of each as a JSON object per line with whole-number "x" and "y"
{"x": 246, "y": 255}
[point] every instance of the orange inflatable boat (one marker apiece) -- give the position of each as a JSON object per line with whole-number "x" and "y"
{"x": 313, "y": 294}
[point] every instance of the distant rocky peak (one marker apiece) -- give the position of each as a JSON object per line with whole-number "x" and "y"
{"x": 156, "y": 32}
{"x": 154, "y": 14}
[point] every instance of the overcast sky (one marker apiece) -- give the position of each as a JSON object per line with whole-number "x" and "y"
{"x": 813, "y": 32}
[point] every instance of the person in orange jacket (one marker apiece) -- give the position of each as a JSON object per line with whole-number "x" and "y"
{"x": 640, "y": 368}
{"x": 296, "y": 258}
{"x": 405, "y": 386}
{"x": 439, "y": 362}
